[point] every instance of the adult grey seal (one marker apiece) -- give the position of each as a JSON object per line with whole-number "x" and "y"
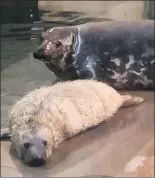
{"x": 47, "y": 116}
{"x": 119, "y": 53}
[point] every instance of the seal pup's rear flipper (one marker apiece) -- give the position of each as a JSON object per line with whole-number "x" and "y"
{"x": 130, "y": 100}
{"x": 5, "y": 134}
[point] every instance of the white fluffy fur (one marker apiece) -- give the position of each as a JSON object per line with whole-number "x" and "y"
{"x": 63, "y": 110}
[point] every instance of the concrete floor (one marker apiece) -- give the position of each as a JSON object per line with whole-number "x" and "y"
{"x": 124, "y": 146}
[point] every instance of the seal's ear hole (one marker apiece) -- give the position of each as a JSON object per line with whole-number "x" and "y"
{"x": 44, "y": 142}
{"x": 57, "y": 44}
{"x": 26, "y": 145}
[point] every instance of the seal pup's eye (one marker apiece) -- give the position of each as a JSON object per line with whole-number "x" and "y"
{"x": 27, "y": 145}
{"x": 57, "y": 44}
{"x": 44, "y": 142}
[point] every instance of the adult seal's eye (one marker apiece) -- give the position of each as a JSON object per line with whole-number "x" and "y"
{"x": 27, "y": 145}
{"x": 44, "y": 142}
{"x": 57, "y": 44}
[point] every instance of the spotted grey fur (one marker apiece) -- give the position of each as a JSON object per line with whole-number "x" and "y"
{"x": 119, "y": 53}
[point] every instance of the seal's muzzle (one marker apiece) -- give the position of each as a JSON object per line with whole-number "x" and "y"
{"x": 36, "y": 162}
{"x": 39, "y": 54}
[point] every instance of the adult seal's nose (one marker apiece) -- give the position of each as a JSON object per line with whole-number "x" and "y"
{"x": 36, "y": 54}
{"x": 39, "y": 54}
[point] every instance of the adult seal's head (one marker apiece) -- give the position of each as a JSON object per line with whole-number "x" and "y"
{"x": 56, "y": 50}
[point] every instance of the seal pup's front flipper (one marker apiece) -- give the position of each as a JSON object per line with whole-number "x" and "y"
{"x": 5, "y": 134}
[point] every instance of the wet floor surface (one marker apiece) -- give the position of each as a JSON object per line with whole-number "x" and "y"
{"x": 105, "y": 150}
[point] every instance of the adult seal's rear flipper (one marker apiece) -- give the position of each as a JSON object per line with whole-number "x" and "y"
{"x": 5, "y": 134}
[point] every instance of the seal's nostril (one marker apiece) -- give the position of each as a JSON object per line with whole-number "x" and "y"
{"x": 38, "y": 55}
{"x": 35, "y": 55}
{"x": 37, "y": 162}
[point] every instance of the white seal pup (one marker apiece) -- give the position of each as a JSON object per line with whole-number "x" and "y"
{"x": 45, "y": 117}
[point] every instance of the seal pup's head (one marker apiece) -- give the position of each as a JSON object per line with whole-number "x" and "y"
{"x": 33, "y": 151}
{"x": 31, "y": 147}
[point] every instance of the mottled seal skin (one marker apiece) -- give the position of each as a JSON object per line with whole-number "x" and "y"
{"x": 47, "y": 116}
{"x": 119, "y": 53}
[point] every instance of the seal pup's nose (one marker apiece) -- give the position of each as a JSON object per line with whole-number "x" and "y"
{"x": 36, "y": 162}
